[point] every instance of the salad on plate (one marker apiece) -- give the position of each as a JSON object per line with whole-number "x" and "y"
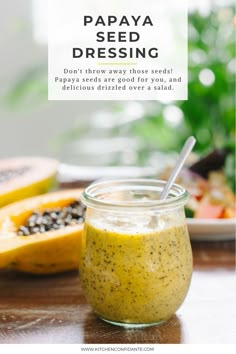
{"x": 211, "y": 184}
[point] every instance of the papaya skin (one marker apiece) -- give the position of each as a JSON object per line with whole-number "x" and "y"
{"x": 40, "y": 177}
{"x": 46, "y": 253}
{"x": 32, "y": 190}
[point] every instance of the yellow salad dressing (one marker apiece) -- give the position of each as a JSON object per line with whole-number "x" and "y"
{"x": 136, "y": 277}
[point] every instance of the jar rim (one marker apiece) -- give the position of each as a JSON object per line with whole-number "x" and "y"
{"x": 93, "y": 195}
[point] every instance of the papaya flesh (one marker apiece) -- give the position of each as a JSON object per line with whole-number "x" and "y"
{"x": 42, "y": 253}
{"x": 24, "y": 177}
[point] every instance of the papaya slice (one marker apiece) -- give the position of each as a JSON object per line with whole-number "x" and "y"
{"x": 24, "y": 177}
{"x": 52, "y": 251}
{"x": 208, "y": 210}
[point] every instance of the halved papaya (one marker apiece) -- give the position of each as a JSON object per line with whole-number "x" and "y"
{"x": 40, "y": 253}
{"x": 24, "y": 177}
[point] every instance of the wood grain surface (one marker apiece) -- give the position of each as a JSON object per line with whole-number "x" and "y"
{"x": 53, "y": 309}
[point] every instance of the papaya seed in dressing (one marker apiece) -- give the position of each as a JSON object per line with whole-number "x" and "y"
{"x": 136, "y": 277}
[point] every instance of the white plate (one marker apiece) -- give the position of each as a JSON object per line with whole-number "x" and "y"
{"x": 211, "y": 230}
{"x": 69, "y": 173}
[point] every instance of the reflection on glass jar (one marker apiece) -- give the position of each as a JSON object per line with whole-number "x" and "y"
{"x": 136, "y": 258}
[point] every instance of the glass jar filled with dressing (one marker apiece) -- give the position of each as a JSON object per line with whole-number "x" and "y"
{"x": 136, "y": 262}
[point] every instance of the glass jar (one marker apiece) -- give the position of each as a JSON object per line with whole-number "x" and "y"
{"x": 136, "y": 262}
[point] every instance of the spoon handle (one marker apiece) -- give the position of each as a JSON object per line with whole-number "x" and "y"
{"x": 187, "y": 148}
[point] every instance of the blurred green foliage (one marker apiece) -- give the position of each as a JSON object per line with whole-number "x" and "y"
{"x": 209, "y": 112}
{"x": 29, "y": 89}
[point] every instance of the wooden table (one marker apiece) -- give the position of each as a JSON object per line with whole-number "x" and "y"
{"x": 53, "y": 309}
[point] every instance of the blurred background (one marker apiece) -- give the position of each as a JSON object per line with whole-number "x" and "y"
{"x": 114, "y": 133}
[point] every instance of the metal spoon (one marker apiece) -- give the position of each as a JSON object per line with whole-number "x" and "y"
{"x": 187, "y": 148}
